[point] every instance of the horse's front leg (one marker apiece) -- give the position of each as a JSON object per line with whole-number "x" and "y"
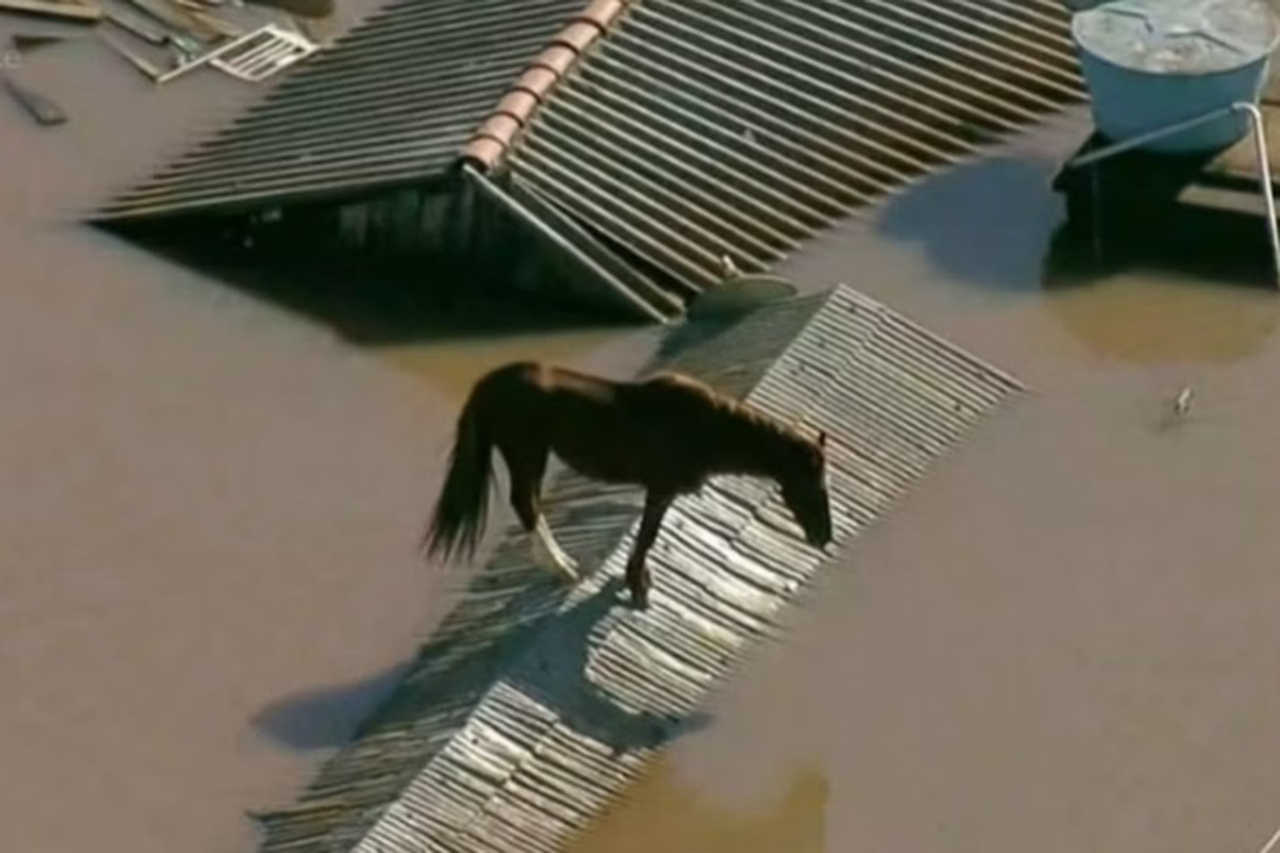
{"x": 655, "y": 507}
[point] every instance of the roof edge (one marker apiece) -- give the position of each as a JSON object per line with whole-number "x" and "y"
{"x": 495, "y": 135}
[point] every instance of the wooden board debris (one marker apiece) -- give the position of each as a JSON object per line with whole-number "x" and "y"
{"x": 69, "y": 11}
{"x": 147, "y": 68}
{"x": 43, "y": 110}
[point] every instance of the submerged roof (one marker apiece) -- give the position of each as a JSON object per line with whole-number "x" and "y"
{"x": 693, "y": 128}
{"x": 696, "y": 129}
{"x": 531, "y": 708}
{"x": 390, "y": 103}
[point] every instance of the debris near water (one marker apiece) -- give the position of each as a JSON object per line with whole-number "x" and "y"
{"x": 1178, "y": 408}
{"x": 27, "y": 42}
{"x": 1182, "y": 402}
{"x": 164, "y": 39}
{"x": 65, "y": 10}
{"x": 43, "y": 110}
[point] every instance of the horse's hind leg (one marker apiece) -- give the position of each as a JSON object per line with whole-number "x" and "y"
{"x": 527, "y": 466}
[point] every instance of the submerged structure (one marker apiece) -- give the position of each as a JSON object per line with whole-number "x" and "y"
{"x": 533, "y": 706}
{"x": 1183, "y": 100}
{"x": 616, "y": 152}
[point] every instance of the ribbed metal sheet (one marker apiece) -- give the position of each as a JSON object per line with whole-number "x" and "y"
{"x": 530, "y": 710}
{"x": 699, "y": 128}
{"x": 389, "y": 104}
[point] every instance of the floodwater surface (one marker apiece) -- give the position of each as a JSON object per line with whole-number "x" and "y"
{"x": 453, "y": 365}
{"x": 1064, "y": 640}
{"x": 1166, "y": 318}
{"x": 662, "y": 813}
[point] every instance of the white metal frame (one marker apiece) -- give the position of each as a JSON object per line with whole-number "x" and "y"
{"x": 276, "y": 48}
{"x": 1257, "y": 130}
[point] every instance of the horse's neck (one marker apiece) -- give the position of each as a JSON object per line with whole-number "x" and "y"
{"x": 750, "y": 445}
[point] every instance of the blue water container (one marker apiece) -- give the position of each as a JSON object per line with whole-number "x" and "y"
{"x": 1152, "y": 63}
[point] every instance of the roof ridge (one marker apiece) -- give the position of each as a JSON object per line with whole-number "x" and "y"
{"x": 491, "y": 140}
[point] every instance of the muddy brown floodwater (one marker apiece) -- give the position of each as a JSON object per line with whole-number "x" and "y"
{"x": 1064, "y": 639}
{"x": 663, "y": 813}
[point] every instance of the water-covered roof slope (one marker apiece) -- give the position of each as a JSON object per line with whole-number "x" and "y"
{"x": 390, "y": 103}
{"x": 701, "y": 128}
{"x": 530, "y": 708}
{"x": 691, "y": 129}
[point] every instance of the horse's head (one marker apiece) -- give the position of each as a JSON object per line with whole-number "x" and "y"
{"x": 804, "y": 490}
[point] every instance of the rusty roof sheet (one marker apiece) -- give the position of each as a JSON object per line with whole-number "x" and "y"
{"x": 702, "y": 128}
{"x": 391, "y": 103}
{"x": 531, "y": 707}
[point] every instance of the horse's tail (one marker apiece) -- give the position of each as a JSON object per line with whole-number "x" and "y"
{"x": 458, "y": 521}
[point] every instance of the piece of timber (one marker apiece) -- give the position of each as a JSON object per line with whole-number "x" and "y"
{"x": 137, "y": 28}
{"x": 219, "y": 25}
{"x": 77, "y": 12}
{"x": 43, "y": 110}
{"x": 27, "y": 42}
{"x": 174, "y": 18}
{"x": 148, "y": 69}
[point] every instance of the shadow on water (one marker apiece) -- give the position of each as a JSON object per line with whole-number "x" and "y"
{"x": 984, "y": 222}
{"x": 526, "y": 643}
{"x": 1186, "y": 289}
{"x": 367, "y": 303}
{"x": 326, "y": 717}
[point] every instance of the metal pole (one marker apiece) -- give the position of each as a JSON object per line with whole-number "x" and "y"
{"x": 1258, "y": 126}
{"x": 1150, "y": 136}
{"x": 556, "y": 239}
{"x": 1257, "y": 129}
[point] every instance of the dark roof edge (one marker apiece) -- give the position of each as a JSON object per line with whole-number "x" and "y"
{"x": 495, "y": 135}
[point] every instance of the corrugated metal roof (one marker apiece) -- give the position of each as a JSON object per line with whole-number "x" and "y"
{"x": 529, "y": 710}
{"x": 390, "y": 103}
{"x": 699, "y": 128}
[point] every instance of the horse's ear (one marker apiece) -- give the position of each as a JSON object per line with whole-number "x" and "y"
{"x": 822, "y": 439}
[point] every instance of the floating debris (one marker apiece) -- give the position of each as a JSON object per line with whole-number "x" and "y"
{"x": 252, "y": 57}
{"x": 1178, "y": 408}
{"x": 174, "y": 18}
{"x": 82, "y": 13}
{"x": 148, "y": 69}
{"x": 131, "y": 25}
{"x": 43, "y": 110}
{"x": 1182, "y": 403}
{"x": 27, "y": 42}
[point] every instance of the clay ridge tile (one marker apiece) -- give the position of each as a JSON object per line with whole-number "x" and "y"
{"x": 495, "y": 134}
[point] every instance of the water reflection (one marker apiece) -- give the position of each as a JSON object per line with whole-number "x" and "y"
{"x": 1190, "y": 289}
{"x": 1138, "y": 312}
{"x": 660, "y": 814}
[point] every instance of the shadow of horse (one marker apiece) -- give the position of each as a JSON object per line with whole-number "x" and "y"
{"x": 545, "y": 655}
{"x": 326, "y": 717}
{"x": 556, "y": 672}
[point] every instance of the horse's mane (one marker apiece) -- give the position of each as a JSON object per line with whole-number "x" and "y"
{"x": 736, "y": 411}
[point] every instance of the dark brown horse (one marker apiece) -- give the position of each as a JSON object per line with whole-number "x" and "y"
{"x": 668, "y": 433}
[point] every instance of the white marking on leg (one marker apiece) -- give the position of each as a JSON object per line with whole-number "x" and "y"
{"x": 548, "y": 553}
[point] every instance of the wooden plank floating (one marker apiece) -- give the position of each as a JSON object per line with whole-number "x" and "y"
{"x": 83, "y": 13}
{"x": 559, "y": 699}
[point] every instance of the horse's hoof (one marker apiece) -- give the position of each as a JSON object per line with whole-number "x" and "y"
{"x": 639, "y": 600}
